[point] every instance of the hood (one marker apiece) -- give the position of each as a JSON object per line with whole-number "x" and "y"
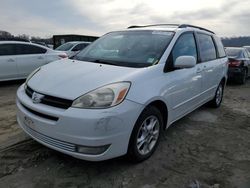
{"x": 70, "y": 79}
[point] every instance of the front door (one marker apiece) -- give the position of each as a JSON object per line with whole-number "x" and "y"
{"x": 8, "y": 66}
{"x": 29, "y": 58}
{"x": 186, "y": 87}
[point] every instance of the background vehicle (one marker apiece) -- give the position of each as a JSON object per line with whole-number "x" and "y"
{"x": 19, "y": 59}
{"x": 72, "y": 48}
{"x": 59, "y": 40}
{"x": 120, "y": 93}
{"x": 239, "y": 64}
{"x": 248, "y": 48}
{"x": 43, "y": 44}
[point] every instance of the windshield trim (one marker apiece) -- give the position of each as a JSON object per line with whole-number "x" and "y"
{"x": 114, "y": 63}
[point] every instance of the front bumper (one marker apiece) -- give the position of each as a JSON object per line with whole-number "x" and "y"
{"x": 78, "y": 127}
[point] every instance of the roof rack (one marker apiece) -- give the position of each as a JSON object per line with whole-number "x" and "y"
{"x": 139, "y": 26}
{"x": 172, "y": 25}
{"x": 201, "y": 28}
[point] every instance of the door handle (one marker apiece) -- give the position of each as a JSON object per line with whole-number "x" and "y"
{"x": 11, "y": 60}
{"x": 198, "y": 70}
{"x": 205, "y": 68}
{"x": 40, "y": 57}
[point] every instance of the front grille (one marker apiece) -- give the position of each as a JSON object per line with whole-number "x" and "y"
{"x": 51, "y": 141}
{"x": 50, "y": 100}
{"x": 41, "y": 114}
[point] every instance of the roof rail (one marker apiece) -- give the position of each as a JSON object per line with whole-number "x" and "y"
{"x": 139, "y": 26}
{"x": 201, "y": 28}
{"x": 172, "y": 25}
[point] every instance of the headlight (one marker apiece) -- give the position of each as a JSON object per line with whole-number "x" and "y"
{"x": 104, "y": 97}
{"x": 30, "y": 75}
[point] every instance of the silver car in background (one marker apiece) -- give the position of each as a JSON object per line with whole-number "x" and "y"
{"x": 72, "y": 48}
{"x": 19, "y": 59}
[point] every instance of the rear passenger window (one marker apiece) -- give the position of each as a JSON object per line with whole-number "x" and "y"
{"x": 29, "y": 49}
{"x": 7, "y": 49}
{"x": 220, "y": 47}
{"x": 185, "y": 46}
{"x": 207, "y": 48}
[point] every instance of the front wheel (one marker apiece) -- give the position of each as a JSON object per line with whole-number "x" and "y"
{"x": 145, "y": 135}
{"x": 216, "y": 101}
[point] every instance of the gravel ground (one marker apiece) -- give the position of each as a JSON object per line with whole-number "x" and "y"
{"x": 209, "y": 148}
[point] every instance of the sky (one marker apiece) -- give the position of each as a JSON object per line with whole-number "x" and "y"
{"x": 45, "y": 18}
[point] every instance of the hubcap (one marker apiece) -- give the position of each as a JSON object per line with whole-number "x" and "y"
{"x": 219, "y": 95}
{"x": 148, "y": 135}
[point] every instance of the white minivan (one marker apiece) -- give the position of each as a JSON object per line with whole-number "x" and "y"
{"x": 116, "y": 97}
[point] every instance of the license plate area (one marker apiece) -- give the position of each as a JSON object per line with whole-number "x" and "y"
{"x": 28, "y": 121}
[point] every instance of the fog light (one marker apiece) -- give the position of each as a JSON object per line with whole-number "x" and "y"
{"x": 96, "y": 150}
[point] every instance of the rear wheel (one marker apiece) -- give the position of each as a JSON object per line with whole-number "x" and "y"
{"x": 216, "y": 101}
{"x": 145, "y": 135}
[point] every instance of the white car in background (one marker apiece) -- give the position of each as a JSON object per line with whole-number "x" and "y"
{"x": 117, "y": 96}
{"x": 19, "y": 59}
{"x": 72, "y": 48}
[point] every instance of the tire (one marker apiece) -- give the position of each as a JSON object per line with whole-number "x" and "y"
{"x": 145, "y": 135}
{"x": 243, "y": 77}
{"x": 216, "y": 101}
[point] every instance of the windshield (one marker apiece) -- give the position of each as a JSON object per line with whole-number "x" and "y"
{"x": 65, "y": 47}
{"x": 128, "y": 48}
{"x": 233, "y": 52}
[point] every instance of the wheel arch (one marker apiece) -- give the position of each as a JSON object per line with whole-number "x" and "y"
{"x": 224, "y": 80}
{"x": 162, "y": 107}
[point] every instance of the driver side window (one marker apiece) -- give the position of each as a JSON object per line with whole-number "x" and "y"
{"x": 185, "y": 46}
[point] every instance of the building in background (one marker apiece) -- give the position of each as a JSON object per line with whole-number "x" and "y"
{"x": 61, "y": 39}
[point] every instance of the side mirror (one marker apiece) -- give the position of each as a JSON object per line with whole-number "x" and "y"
{"x": 185, "y": 62}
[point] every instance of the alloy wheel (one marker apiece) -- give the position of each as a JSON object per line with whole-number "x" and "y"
{"x": 148, "y": 135}
{"x": 219, "y": 94}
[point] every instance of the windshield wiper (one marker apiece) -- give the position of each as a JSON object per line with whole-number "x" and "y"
{"x": 104, "y": 62}
{"x": 111, "y": 62}
{"x": 94, "y": 60}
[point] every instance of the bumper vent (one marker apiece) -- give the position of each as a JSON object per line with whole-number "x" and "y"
{"x": 51, "y": 141}
{"x": 50, "y": 100}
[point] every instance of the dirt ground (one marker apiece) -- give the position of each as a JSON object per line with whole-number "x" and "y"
{"x": 209, "y": 148}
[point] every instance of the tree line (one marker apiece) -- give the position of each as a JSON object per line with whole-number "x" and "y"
{"x": 4, "y": 35}
{"x": 236, "y": 41}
